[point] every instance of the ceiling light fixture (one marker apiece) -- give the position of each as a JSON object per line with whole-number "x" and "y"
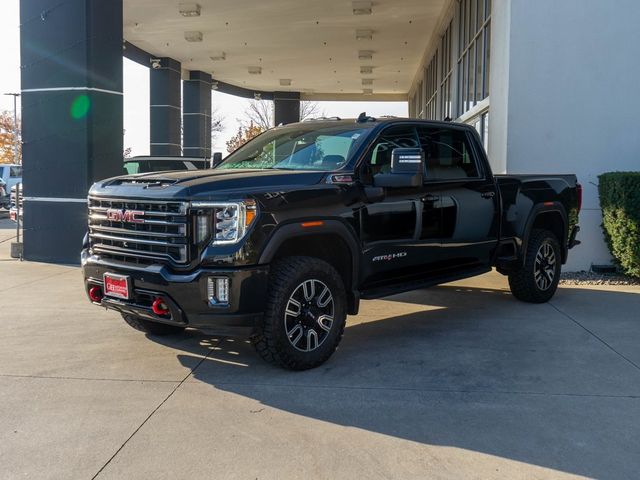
{"x": 217, "y": 57}
{"x": 361, "y": 7}
{"x": 365, "y": 55}
{"x": 367, "y": 91}
{"x": 255, "y": 70}
{"x": 193, "y": 36}
{"x": 214, "y": 85}
{"x": 189, "y": 9}
{"x": 367, "y": 81}
{"x": 285, "y": 82}
{"x": 366, "y": 70}
{"x": 364, "y": 34}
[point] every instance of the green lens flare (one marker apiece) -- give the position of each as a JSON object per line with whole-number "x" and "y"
{"x": 80, "y": 107}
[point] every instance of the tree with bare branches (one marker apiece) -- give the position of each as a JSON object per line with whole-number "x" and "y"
{"x": 260, "y": 113}
{"x": 217, "y": 123}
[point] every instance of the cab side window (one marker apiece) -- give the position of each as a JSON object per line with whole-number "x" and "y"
{"x": 448, "y": 155}
{"x": 379, "y": 157}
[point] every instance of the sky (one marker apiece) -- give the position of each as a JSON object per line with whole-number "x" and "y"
{"x": 136, "y": 92}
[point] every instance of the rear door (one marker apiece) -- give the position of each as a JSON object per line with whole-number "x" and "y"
{"x": 465, "y": 193}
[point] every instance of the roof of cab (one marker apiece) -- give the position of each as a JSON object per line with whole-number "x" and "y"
{"x": 370, "y": 121}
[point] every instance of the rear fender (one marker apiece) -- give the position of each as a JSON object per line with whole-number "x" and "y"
{"x": 536, "y": 211}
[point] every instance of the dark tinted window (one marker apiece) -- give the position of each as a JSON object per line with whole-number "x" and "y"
{"x": 379, "y": 157}
{"x": 448, "y": 154}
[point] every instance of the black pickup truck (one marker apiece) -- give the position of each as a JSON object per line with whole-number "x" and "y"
{"x": 283, "y": 239}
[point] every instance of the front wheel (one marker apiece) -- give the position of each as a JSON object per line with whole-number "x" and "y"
{"x": 537, "y": 280}
{"x": 305, "y": 315}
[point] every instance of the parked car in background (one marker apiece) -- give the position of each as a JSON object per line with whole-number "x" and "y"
{"x": 133, "y": 165}
{"x": 11, "y": 174}
{"x": 148, "y": 164}
{"x": 15, "y": 202}
{"x": 4, "y": 194}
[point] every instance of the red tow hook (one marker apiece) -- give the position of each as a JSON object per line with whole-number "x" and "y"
{"x": 160, "y": 308}
{"x": 95, "y": 294}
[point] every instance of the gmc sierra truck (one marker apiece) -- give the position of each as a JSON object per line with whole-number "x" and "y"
{"x": 282, "y": 240}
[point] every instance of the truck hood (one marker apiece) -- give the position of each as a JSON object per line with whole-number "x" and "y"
{"x": 205, "y": 184}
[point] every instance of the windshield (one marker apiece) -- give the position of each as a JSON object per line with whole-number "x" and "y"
{"x": 299, "y": 148}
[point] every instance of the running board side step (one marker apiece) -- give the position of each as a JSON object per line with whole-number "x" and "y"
{"x": 387, "y": 290}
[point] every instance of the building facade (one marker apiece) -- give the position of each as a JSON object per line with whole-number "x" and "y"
{"x": 549, "y": 85}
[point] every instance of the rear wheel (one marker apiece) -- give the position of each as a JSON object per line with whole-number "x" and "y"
{"x": 305, "y": 315}
{"x": 153, "y": 328}
{"x": 537, "y": 280}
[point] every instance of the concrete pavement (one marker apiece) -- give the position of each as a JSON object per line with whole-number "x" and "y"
{"x": 458, "y": 381}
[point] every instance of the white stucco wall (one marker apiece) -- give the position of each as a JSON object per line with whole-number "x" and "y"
{"x": 566, "y": 97}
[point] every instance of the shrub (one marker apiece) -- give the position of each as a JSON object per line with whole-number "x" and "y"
{"x": 620, "y": 202}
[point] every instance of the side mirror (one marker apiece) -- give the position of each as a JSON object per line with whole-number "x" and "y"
{"x": 216, "y": 159}
{"x": 407, "y": 167}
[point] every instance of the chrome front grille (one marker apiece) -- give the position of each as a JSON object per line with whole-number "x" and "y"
{"x": 158, "y": 233}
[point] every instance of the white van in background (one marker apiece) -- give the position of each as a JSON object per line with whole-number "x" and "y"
{"x": 11, "y": 174}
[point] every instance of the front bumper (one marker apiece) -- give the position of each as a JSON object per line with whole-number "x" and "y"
{"x": 186, "y": 295}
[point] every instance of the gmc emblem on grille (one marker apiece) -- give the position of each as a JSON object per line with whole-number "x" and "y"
{"x": 126, "y": 216}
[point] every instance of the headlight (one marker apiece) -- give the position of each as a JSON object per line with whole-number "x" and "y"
{"x": 231, "y": 220}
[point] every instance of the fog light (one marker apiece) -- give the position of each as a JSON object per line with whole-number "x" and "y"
{"x": 218, "y": 290}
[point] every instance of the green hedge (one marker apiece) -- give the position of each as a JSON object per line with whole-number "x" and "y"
{"x": 620, "y": 202}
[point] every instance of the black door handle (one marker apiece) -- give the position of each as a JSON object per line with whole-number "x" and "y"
{"x": 431, "y": 198}
{"x": 488, "y": 194}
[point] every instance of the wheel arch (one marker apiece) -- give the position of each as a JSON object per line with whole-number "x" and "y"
{"x": 327, "y": 239}
{"x": 550, "y": 216}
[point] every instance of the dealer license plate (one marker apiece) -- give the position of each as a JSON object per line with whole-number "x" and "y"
{"x": 116, "y": 286}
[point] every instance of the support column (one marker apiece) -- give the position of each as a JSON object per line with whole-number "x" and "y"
{"x": 71, "y": 117}
{"x": 196, "y": 115}
{"x": 165, "y": 108}
{"x": 286, "y": 106}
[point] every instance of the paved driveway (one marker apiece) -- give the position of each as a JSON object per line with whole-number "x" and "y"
{"x": 458, "y": 381}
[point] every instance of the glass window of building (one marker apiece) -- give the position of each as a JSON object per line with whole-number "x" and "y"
{"x": 431, "y": 88}
{"x": 446, "y": 74}
{"x": 474, "y": 31}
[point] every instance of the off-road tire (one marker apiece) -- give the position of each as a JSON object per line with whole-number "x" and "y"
{"x": 271, "y": 340}
{"x": 153, "y": 328}
{"x": 523, "y": 282}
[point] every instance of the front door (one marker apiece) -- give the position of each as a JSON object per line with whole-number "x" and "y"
{"x": 400, "y": 233}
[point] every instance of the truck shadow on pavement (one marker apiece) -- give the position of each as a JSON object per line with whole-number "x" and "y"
{"x": 470, "y": 368}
